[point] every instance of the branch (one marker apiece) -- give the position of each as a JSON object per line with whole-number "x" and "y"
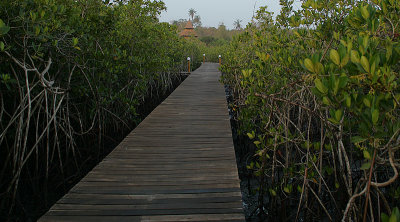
{"x": 282, "y": 100}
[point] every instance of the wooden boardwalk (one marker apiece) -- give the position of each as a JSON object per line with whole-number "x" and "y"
{"x": 177, "y": 165}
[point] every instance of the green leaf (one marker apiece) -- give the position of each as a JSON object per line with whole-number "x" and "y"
{"x": 3, "y": 28}
{"x": 357, "y": 139}
{"x": 2, "y": 46}
{"x": 286, "y": 189}
{"x": 37, "y": 30}
{"x": 334, "y": 121}
{"x": 337, "y": 185}
{"x": 389, "y": 51}
{"x": 338, "y": 114}
{"x": 320, "y": 86}
{"x": 366, "y": 155}
{"x": 309, "y": 65}
{"x": 336, "y": 35}
{"x": 273, "y": 192}
{"x": 366, "y": 42}
{"x": 366, "y": 102}
{"x": 366, "y": 166}
{"x": 336, "y": 86}
{"x": 33, "y": 15}
{"x": 326, "y": 101}
{"x": 250, "y": 135}
{"x": 349, "y": 47}
{"x": 74, "y": 41}
{"x": 372, "y": 70}
{"x": 395, "y": 217}
{"x": 335, "y": 57}
{"x": 344, "y": 61}
{"x": 361, "y": 49}
{"x": 319, "y": 68}
{"x": 375, "y": 116}
{"x": 365, "y": 63}
{"x": 299, "y": 188}
{"x": 329, "y": 170}
{"x": 257, "y": 142}
{"x": 348, "y": 101}
{"x": 384, "y": 217}
{"x": 365, "y": 12}
{"x": 355, "y": 57}
{"x": 328, "y": 147}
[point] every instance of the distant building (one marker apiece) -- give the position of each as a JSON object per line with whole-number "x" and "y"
{"x": 188, "y": 31}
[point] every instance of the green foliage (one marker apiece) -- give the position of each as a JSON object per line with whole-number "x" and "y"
{"x": 318, "y": 94}
{"x": 3, "y": 28}
{"x": 394, "y": 217}
{"x": 72, "y": 73}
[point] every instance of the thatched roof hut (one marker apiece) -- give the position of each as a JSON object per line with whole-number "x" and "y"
{"x": 188, "y": 31}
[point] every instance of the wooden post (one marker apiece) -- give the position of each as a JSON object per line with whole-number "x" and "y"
{"x": 219, "y": 57}
{"x": 204, "y": 58}
{"x": 188, "y": 59}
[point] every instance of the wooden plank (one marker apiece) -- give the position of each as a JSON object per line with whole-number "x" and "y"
{"x": 160, "y": 190}
{"x": 153, "y": 196}
{"x": 145, "y": 206}
{"x": 141, "y": 212}
{"x": 76, "y": 218}
{"x": 177, "y": 165}
{"x": 92, "y": 199}
{"x": 165, "y": 218}
{"x": 157, "y": 178}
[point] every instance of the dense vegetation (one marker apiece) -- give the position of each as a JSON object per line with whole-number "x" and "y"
{"x": 74, "y": 76}
{"x": 317, "y": 92}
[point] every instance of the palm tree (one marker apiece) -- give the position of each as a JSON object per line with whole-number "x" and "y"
{"x": 192, "y": 12}
{"x": 237, "y": 24}
{"x": 196, "y": 21}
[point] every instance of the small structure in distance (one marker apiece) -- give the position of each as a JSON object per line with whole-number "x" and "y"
{"x": 188, "y": 31}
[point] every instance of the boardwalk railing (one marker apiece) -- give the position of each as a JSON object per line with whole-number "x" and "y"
{"x": 177, "y": 165}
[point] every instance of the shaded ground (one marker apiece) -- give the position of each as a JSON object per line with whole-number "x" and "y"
{"x": 34, "y": 201}
{"x": 244, "y": 150}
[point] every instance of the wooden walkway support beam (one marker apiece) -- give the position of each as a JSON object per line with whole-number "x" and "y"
{"x": 177, "y": 165}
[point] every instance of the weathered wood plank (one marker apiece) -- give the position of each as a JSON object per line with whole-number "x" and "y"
{"x": 165, "y": 218}
{"x": 177, "y": 165}
{"x": 141, "y": 212}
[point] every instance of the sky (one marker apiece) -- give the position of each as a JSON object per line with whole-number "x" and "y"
{"x": 213, "y": 12}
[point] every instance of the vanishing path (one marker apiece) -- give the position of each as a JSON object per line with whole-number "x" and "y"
{"x": 177, "y": 165}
